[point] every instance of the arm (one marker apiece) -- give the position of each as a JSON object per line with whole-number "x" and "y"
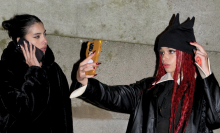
{"x": 29, "y": 98}
{"x": 211, "y": 88}
{"x": 123, "y": 98}
{"x": 212, "y": 96}
{"x": 120, "y": 98}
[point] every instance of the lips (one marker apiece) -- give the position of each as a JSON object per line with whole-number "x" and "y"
{"x": 44, "y": 49}
{"x": 166, "y": 65}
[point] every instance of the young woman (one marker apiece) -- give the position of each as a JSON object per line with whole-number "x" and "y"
{"x": 177, "y": 100}
{"x": 33, "y": 95}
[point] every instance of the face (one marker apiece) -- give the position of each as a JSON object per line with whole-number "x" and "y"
{"x": 168, "y": 57}
{"x": 37, "y": 36}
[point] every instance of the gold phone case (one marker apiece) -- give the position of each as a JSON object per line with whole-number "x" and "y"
{"x": 92, "y": 46}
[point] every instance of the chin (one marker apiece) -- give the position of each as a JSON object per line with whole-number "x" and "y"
{"x": 169, "y": 71}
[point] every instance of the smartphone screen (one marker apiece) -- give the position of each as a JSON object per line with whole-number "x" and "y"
{"x": 38, "y": 53}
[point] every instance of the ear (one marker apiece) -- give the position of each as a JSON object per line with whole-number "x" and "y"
{"x": 18, "y": 39}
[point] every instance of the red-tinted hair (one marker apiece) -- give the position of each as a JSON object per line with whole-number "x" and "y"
{"x": 185, "y": 67}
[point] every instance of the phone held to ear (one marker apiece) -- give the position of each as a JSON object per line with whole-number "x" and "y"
{"x": 92, "y": 46}
{"x": 38, "y": 53}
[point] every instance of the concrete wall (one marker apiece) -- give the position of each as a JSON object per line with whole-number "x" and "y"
{"x": 128, "y": 28}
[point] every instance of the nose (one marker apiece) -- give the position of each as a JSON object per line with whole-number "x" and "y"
{"x": 165, "y": 57}
{"x": 45, "y": 40}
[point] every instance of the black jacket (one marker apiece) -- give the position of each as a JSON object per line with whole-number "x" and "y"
{"x": 33, "y": 99}
{"x": 144, "y": 109}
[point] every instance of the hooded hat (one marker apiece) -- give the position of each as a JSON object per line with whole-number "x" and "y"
{"x": 178, "y": 36}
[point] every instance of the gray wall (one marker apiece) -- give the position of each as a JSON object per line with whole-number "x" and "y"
{"x": 128, "y": 28}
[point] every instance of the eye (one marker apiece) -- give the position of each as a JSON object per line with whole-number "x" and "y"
{"x": 172, "y": 51}
{"x": 37, "y": 37}
{"x": 161, "y": 53}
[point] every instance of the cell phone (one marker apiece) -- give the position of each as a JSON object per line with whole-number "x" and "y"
{"x": 92, "y": 46}
{"x": 38, "y": 53}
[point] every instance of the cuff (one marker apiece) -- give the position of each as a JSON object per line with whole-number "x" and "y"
{"x": 201, "y": 71}
{"x": 78, "y": 92}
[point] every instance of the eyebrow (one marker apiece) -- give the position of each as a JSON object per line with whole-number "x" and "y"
{"x": 39, "y": 33}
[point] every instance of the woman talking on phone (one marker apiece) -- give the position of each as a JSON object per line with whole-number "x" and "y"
{"x": 178, "y": 100}
{"x": 34, "y": 92}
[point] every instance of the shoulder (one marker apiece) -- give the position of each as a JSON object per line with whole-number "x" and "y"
{"x": 58, "y": 69}
{"x": 147, "y": 81}
{"x": 56, "y": 65}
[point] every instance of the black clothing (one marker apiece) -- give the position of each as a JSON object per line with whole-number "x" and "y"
{"x": 33, "y": 99}
{"x": 178, "y": 36}
{"x": 143, "y": 108}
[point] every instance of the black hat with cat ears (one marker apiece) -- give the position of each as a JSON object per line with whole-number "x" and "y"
{"x": 178, "y": 36}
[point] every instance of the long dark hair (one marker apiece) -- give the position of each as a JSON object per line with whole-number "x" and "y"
{"x": 18, "y": 25}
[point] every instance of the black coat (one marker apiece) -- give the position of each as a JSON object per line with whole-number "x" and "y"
{"x": 33, "y": 99}
{"x": 144, "y": 109}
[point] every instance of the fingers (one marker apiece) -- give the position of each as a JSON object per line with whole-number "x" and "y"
{"x": 202, "y": 60}
{"x": 24, "y": 52}
{"x": 199, "y": 47}
{"x": 88, "y": 66}
{"x": 82, "y": 75}
{"x": 84, "y": 66}
{"x": 29, "y": 54}
{"x": 34, "y": 50}
{"x": 87, "y": 59}
{"x": 30, "y": 50}
{"x": 27, "y": 50}
{"x": 200, "y": 54}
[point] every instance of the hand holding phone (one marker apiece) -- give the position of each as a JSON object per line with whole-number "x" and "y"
{"x": 92, "y": 46}
{"x": 38, "y": 53}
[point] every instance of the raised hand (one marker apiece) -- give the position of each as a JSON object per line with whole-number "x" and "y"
{"x": 84, "y": 66}
{"x": 202, "y": 54}
{"x": 29, "y": 56}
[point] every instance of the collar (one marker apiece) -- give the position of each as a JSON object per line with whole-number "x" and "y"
{"x": 167, "y": 77}
{"x": 13, "y": 55}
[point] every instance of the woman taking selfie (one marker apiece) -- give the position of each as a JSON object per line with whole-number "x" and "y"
{"x": 178, "y": 100}
{"x": 34, "y": 92}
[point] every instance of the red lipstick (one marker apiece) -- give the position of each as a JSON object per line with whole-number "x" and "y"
{"x": 166, "y": 65}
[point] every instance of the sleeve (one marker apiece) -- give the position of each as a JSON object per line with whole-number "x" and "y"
{"x": 78, "y": 92}
{"x": 65, "y": 96}
{"x": 27, "y": 99}
{"x": 212, "y": 92}
{"x": 119, "y": 98}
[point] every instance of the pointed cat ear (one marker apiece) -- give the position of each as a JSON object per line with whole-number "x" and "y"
{"x": 176, "y": 20}
{"x": 189, "y": 24}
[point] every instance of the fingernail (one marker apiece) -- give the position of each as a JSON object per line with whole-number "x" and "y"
{"x": 98, "y": 63}
{"x": 188, "y": 41}
{"x": 94, "y": 52}
{"x": 94, "y": 75}
{"x": 194, "y": 41}
{"x": 93, "y": 67}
